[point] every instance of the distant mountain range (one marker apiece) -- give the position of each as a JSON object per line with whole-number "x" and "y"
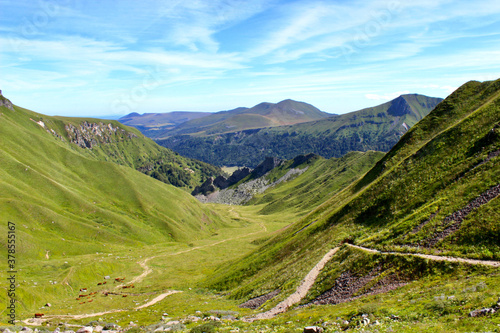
{"x": 163, "y": 125}
{"x": 158, "y": 122}
{"x": 375, "y": 128}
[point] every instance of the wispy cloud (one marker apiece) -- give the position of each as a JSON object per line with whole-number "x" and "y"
{"x": 339, "y": 54}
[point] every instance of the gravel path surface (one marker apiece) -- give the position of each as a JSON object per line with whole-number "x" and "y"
{"x": 301, "y": 291}
{"x": 433, "y": 257}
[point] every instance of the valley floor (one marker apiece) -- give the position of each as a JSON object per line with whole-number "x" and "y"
{"x": 159, "y": 287}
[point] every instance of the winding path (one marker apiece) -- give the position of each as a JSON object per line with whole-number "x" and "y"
{"x": 301, "y": 291}
{"x": 310, "y": 278}
{"x": 433, "y": 257}
{"x": 139, "y": 278}
{"x": 148, "y": 270}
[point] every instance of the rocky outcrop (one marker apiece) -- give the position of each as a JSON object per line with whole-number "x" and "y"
{"x": 238, "y": 175}
{"x": 256, "y": 302}
{"x": 5, "y": 102}
{"x": 266, "y": 166}
{"x": 217, "y": 190}
{"x": 206, "y": 188}
{"x": 211, "y": 185}
{"x": 244, "y": 192}
{"x": 88, "y": 135}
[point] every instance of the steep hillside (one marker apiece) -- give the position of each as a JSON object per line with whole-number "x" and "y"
{"x": 295, "y": 186}
{"x": 108, "y": 140}
{"x": 262, "y": 115}
{"x": 436, "y": 192}
{"x": 377, "y": 128}
{"x": 322, "y": 179}
{"x": 66, "y": 200}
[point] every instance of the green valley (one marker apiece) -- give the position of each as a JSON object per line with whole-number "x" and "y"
{"x": 356, "y": 240}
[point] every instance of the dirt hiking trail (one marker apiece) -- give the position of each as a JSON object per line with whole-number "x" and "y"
{"x": 310, "y": 278}
{"x": 301, "y": 291}
{"x": 433, "y": 257}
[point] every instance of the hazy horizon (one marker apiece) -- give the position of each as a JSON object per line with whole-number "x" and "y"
{"x": 108, "y": 59}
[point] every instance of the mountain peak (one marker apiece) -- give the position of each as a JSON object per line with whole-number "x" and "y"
{"x": 399, "y": 107}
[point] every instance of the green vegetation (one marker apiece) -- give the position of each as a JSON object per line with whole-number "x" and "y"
{"x": 378, "y": 128}
{"x": 441, "y": 165}
{"x": 66, "y": 201}
{"x": 108, "y": 140}
{"x": 80, "y": 218}
{"x": 323, "y": 179}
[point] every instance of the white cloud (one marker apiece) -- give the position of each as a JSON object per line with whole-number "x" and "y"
{"x": 193, "y": 23}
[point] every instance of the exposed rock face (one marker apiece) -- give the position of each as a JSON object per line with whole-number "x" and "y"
{"x": 266, "y": 166}
{"x": 205, "y": 188}
{"x": 216, "y": 190}
{"x": 5, "y": 102}
{"x": 244, "y": 192}
{"x": 211, "y": 185}
{"x": 221, "y": 182}
{"x": 88, "y": 135}
{"x": 238, "y": 175}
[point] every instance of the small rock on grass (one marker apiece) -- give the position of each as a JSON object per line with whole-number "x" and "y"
{"x": 86, "y": 329}
{"x": 481, "y": 312}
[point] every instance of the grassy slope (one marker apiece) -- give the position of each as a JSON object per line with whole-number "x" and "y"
{"x": 322, "y": 180}
{"x": 127, "y": 146}
{"x": 67, "y": 203}
{"x": 415, "y": 179}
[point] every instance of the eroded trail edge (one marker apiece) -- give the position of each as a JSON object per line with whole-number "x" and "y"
{"x": 433, "y": 257}
{"x": 301, "y": 291}
{"x": 310, "y": 278}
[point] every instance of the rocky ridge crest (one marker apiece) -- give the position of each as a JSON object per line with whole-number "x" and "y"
{"x": 88, "y": 135}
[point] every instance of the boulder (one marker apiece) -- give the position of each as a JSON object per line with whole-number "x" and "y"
{"x": 312, "y": 329}
{"x": 86, "y": 329}
{"x": 481, "y": 312}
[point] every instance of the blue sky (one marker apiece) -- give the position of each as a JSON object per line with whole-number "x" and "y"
{"x": 101, "y": 58}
